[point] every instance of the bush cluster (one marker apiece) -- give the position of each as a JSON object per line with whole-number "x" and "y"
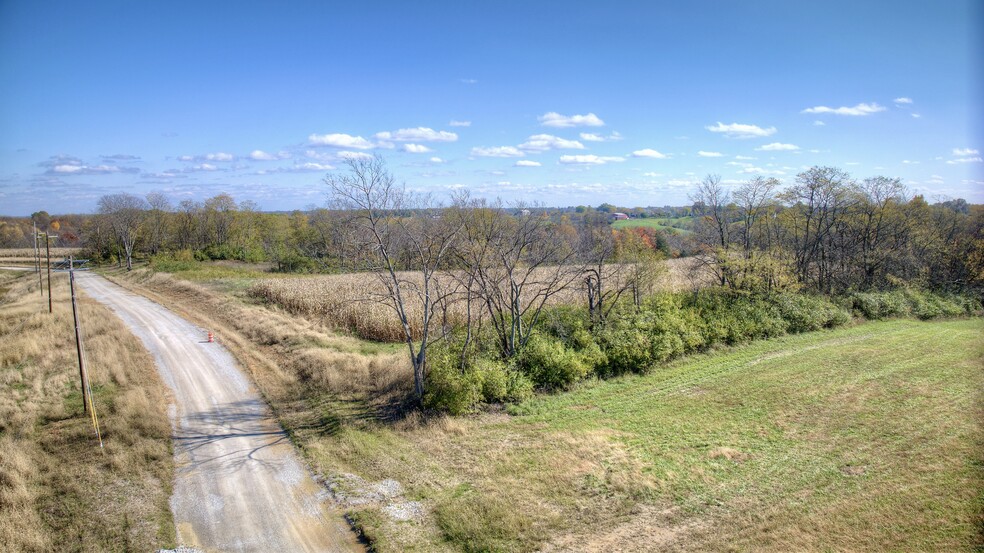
{"x": 456, "y": 389}
{"x": 911, "y": 303}
{"x": 568, "y": 348}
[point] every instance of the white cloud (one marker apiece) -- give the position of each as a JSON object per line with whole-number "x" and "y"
{"x": 903, "y": 100}
{"x": 416, "y": 149}
{"x": 760, "y": 171}
{"x": 744, "y": 157}
{"x": 527, "y": 163}
{"x": 260, "y": 155}
{"x": 860, "y": 109}
{"x": 339, "y": 140}
{"x": 418, "y": 134}
{"x": 544, "y": 142}
{"x": 455, "y": 123}
{"x": 818, "y": 123}
{"x": 469, "y": 81}
{"x": 975, "y": 159}
{"x": 589, "y": 159}
{"x": 965, "y": 152}
{"x": 702, "y": 153}
{"x": 436, "y": 160}
{"x": 916, "y": 115}
{"x": 740, "y": 130}
{"x": 220, "y": 156}
{"x": 909, "y": 162}
{"x": 311, "y": 166}
{"x": 777, "y": 147}
{"x": 554, "y": 119}
{"x": 205, "y": 167}
{"x": 653, "y": 175}
{"x": 497, "y": 151}
{"x": 592, "y": 137}
{"x": 650, "y": 153}
{"x": 354, "y": 155}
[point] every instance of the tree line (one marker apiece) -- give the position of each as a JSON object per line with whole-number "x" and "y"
{"x": 825, "y": 233}
{"x": 831, "y": 233}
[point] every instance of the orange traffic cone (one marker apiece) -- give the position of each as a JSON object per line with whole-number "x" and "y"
{"x": 211, "y": 337}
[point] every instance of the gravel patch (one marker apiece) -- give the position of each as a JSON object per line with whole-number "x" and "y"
{"x": 350, "y": 490}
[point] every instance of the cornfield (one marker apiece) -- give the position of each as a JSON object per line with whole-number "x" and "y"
{"x": 356, "y": 302}
{"x": 25, "y": 256}
{"x": 29, "y": 252}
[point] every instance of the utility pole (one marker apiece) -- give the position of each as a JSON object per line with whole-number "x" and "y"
{"x": 37, "y": 260}
{"x": 47, "y": 249}
{"x": 78, "y": 338}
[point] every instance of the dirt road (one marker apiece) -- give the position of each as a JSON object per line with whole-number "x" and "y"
{"x": 239, "y": 484}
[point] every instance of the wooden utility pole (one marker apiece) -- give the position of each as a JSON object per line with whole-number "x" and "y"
{"x": 37, "y": 260}
{"x": 47, "y": 249}
{"x": 78, "y": 338}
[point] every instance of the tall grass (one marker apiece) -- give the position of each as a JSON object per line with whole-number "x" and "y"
{"x": 58, "y": 490}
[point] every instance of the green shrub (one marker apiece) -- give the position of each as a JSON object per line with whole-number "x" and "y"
{"x": 172, "y": 262}
{"x": 519, "y": 387}
{"x": 494, "y": 379}
{"x": 911, "y": 302}
{"x": 626, "y": 343}
{"x": 449, "y": 389}
{"x": 881, "y": 305}
{"x": 804, "y": 313}
{"x": 564, "y": 321}
{"x": 550, "y": 364}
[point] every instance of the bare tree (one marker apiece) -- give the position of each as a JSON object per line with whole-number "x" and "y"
{"x": 752, "y": 200}
{"x": 221, "y": 212}
{"x": 515, "y": 261}
{"x": 818, "y": 203}
{"x": 711, "y": 205}
{"x": 157, "y": 220}
{"x": 616, "y": 263}
{"x": 125, "y": 213}
{"x": 398, "y": 233}
{"x": 189, "y": 224}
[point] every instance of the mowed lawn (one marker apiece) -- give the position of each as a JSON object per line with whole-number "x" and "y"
{"x": 866, "y": 439}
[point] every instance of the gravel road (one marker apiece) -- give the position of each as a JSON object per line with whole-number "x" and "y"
{"x": 239, "y": 483}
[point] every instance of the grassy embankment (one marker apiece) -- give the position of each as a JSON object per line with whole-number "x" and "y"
{"x": 863, "y": 438}
{"x": 58, "y": 490}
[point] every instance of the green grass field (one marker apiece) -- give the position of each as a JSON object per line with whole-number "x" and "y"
{"x": 680, "y": 225}
{"x": 865, "y": 438}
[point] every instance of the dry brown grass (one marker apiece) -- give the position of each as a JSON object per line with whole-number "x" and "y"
{"x": 29, "y": 252}
{"x": 289, "y": 357}
{"x": 58, "y": 490}
{"x": 352, "y": 302}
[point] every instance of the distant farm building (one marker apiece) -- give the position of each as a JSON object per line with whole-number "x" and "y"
{"x": 619, "y": 216}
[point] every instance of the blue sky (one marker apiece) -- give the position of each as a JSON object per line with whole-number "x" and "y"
{"x": 562, "y": 103}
